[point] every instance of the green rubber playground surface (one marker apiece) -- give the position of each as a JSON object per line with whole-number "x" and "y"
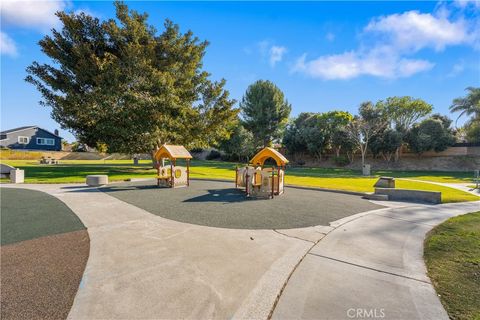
{"x": 29, "y": 214}
{"x": 219, "y": 204}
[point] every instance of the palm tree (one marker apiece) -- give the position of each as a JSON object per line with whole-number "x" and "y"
{"x": 468, "y": 105}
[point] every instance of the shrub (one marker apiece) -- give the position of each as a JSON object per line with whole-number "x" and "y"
{"x": 196, "y": 150}
{"x": 341, "y": 161}
{"x": 301, "y": 162}
{"x": 214, "y": 155}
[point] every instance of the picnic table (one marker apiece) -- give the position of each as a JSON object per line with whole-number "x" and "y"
{"x": 48, "y": 160}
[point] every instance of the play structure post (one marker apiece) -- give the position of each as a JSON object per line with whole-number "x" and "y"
{"x": 172, "y": 182}
{"x": 273, "y": 183}
{"x": 278, "y": 180}
{"x": 236, "y": 176}
{"x": 246, "y": 181}
{"x": 188, "y": 172}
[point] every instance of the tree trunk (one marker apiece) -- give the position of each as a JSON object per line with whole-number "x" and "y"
{"x": 363, "y": 151}
{"x": 389, "y": 156}
{"x": 397, "y": 153}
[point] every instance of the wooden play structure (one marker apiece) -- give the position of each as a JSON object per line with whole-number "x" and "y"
{"x": 259, "y": 180}
{"x": 172, "y": 175}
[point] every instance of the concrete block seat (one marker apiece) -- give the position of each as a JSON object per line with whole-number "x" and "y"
{"x": 97, "y": 180}
{"x": 433, "y": 197}
{"x": 5, "y": 170}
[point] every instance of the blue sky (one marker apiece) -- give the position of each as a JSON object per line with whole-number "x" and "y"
{"x": 323, "y": 55}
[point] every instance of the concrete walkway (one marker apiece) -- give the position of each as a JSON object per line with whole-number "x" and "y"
{"x": 459, "y": 186}
{"x": 143, "y": 266}
{"x": 371, "y": 267}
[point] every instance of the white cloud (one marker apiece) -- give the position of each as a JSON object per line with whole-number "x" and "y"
{"x": 31, "y": 14}
{"x": 330, "y": 36}
{"x": 263, "y": 47}
{"x": 276, "y": 54}
{"x": 457, "y": 69}
{"x": 408, "y": 67}
{"x": 414, "y": 31}
{"x": 7, "y": 45}
{"x": 380, "y": 62}
{"x": 466, "y": 3}
{"x": 389, "y": 42}
{"x": 269, "y": 51}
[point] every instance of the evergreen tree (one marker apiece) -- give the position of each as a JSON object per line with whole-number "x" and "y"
{"x": 121, "y": 83}
{"x": 265, "y": 111}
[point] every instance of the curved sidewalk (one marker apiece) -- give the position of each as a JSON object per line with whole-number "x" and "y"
{"x": 370, "y": 267}
{"x": 143, "y": 266}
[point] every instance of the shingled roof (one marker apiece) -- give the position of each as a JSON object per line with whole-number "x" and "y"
{"x": 172, "y": 152}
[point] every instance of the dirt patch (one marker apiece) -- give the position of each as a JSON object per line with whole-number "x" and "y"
{"x": 40, "y": 277}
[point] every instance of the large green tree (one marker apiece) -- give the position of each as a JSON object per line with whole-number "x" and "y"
{"x": 386, "y": 143}
{"x": 335, "y": 123}
{"x": 317, "y": 132}
{"x": 294, "y": 139}
{"x": 369, "y": 122}
{"x": 121, "y": 83}
{"x": 240, "y": 146}
{"x": 265, "y": 111}
{"x": 468, "y": 105}
{"x": 433, "y": 133}
{"x": 472, "y": 132}
{"x": 402, "y": 113}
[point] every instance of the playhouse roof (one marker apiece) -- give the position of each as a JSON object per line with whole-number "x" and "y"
{"x": 172, "y": 152}
{"x": 266, "y": 153}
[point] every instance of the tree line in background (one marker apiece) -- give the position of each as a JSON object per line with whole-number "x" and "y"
{"x": 119, "y": 85}
{"x": 383, "y": 128}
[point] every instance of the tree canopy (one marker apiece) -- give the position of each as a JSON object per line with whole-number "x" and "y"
{"x": 433, "y": 133}
{"x": 468, "y": 105}
{"x": 264, "y": 111}
{"x": 404, "y": 112}
{"x": 369, "y": 122}
{"x": 121, "y": 83}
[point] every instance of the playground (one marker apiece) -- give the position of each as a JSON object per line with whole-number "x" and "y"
{"x": 219, "y": 204}
{"x": 170, "y": 245}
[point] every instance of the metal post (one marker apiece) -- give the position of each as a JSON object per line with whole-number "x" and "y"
{"x": 236, "y": 176}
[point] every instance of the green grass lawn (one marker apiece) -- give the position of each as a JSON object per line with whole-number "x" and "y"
{"x": 330, "y": 178}
{"x": 452, "y": 256}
